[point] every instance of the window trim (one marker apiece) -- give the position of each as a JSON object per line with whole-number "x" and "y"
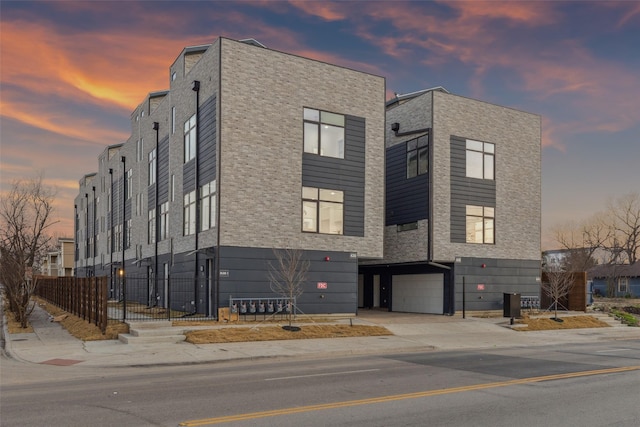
{"x": 483, "y": 218}
{"x": 319, "y": 122}
{"x": 319, "y": 203}
{"x": 488, "y": 149}
{"x": 419, "y": 146}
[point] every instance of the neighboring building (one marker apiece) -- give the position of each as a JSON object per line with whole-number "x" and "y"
{"x": 65, "y": 256}
{"x": 463, "y": 202}
{"x": 50, "y": 264}
{"x": 60, "y": 261}
{"x": 249, "y": 150}
{"x": 615, "y": 280}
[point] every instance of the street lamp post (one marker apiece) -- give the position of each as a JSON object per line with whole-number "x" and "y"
{"x": 123, "y": 159}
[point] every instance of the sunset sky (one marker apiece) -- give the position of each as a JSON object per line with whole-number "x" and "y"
{"x": 72, "y": 72}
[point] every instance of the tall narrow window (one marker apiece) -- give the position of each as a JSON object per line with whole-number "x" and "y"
{"x": 128, "y": 235}
{"x": 173, "y": 120}
{"x": 173, "y": 188}
{"x": 164, "y": 220}
{"x": 322, "y": 210}
{"x": 190, "y": 139}
{"x": 151, "y": 226}
{"x": 140, "y": 149}
{"x": 418, "y": 156}
{"x": 323, "y": 133}
{"x": 480, "y": 224}
{"x": 480, "y": 159}
{"x": 152, "y": 167}
{"x": 208, "y": 205}
{"x": 189, "y": 213}
{"x": 129, "y": 183}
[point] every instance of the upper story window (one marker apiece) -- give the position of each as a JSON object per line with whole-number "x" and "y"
{"x": 480, "y": 224}
{"x": 480, "y": 159}
{"x": 152, "y": 167}
{"x": 139, "y": 149}
{"x": 323, "y": 133}
{"x": 189, "y": 226}
{"x": 417, "y": 156}
{"x": 129, "y": 183}
{"x": 190, "y": 139}
{"x": 322, "y": 210}
{"x": 151, "y": 226}
{"x": 208, "y": 205}
{"x": 164, "y": 220}
{"x": 173, "y": 120}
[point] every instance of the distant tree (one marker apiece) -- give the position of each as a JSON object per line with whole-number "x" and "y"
{"x": 287, "y": 276}
{"x": 624, "y": 223}
{"x": 556, "y": 284}
{"x": 582, "y": 240}
{"x": 25, "y": 218}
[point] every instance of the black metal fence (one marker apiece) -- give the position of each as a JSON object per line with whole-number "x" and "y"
{"x": 140, "y": 298}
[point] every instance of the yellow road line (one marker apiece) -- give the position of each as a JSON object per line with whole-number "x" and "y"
{"x": 286, "y": 411}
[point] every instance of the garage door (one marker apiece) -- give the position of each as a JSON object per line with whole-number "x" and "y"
{"x": 418, "y": 293}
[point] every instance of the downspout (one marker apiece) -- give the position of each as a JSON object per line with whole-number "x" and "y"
{"x": 219, "y": 178}
{"x": 111, "y": 226}
{"x": 123, "y": 159}
{"x": 86, "y": 239}
{"x": 156, "y": 127}
{"x": 95, "y": 244}
{"x": 196, "y": 88}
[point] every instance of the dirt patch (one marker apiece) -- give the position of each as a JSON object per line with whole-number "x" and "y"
{"x": 568, "y": 322}
{"x": 272, "y": 333}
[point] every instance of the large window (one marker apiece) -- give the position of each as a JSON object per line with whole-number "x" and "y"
{"x": 151, "y": 226}
{"x": 164, "y": 220}
{"x": 323, "y": 133}
{"x": 480, "y": 224}
{"x": 190, "y": 139}
{"x": 480, "y": 159}
{"x": 129, "y": 229}
{"x": 189, "y": 213}
{"x": 417, "y": 156}
{"x": 208, "y": 205}
{"x": 322, "y": 210}
{"x": 152, "y": 167}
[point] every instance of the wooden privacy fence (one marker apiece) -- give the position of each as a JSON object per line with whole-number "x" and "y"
{"x": 86, "y": 297}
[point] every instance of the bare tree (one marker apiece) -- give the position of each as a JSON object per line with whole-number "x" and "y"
{"x": 582, "y": 240}
{"x": 556, "y": 284}
{"x": 25, "y": 217}
{"x": 287, "y": 276}
{"x": 624, "y": 223}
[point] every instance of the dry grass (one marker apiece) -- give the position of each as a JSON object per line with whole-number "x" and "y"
{"x": 271, "y": 333}
{"x": 82, "y": 329}
{"x": 14, "y": 327}
{"x": 568, "y": 322}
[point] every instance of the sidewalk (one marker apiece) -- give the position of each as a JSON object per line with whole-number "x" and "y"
{"x": 52, "y": 344}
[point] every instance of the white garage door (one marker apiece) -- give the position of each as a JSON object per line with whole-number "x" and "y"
{"x": 418, "y": 293}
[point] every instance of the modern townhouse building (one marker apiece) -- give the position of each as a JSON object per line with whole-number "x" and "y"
{"x": 248, "y": 152}
{"x": 463, "y": 201}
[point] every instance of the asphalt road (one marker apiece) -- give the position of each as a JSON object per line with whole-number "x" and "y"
{"x": 576, "y": 385}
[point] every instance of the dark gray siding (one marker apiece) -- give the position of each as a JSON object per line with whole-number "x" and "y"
{"x": 207, "y": 142}
{"x": 189, "y": 176}
{"x": 407, "y": 200}
{"x": 466, "y": 191}
{"x": 499, "y": 276}
{"x": 248, "y": 278}
{"x": 346, "y": 174}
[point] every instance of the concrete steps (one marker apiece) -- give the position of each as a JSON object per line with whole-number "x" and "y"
{"x": 152, "y": 333}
